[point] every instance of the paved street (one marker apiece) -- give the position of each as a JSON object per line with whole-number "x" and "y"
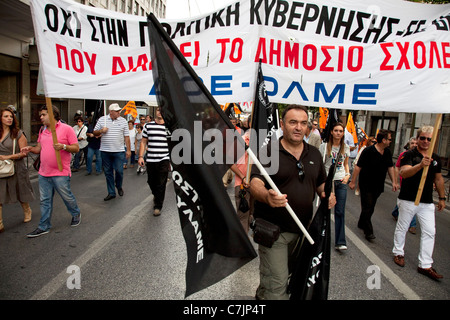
{"x": 124, "y": 252}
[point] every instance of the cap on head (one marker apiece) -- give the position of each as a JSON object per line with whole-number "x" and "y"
{"x": 114, "y": 107}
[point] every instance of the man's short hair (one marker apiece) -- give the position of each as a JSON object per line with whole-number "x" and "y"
{"x": 56, "y": 113}
{"x": 382, "y": 134}
{"x": 291, "y": 107}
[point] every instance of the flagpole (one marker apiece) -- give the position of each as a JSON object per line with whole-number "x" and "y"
{"x": 249, "y": 164}
{"x": 429, "y": 153}
{"x": 104, "y": 110}
{"x": 274, "y": 187}
{"x": 48, "y": 102}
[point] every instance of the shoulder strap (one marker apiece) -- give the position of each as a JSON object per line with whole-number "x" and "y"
{"x": 79, "y": 131}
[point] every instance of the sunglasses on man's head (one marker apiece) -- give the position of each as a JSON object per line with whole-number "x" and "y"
{"x": 423, "y": 138}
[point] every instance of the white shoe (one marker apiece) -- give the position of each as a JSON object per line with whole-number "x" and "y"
{"x": 341, "y": 247}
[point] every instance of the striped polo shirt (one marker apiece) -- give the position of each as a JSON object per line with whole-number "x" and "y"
{"x": 157, "y": 146}
{"x": 114, "y": 139}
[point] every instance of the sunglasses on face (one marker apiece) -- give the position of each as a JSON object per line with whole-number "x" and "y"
{"x": 422, "y": 138}
{"x": 301, "y": 172}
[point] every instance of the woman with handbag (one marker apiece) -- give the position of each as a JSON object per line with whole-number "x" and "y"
{"x": 15, "y": 184}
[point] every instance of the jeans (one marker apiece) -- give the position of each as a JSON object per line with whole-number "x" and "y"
{"x": 98, "y": 160}
{"x": 340, "y": 191}
{"x": 132, "y": 158}
{"x": 113, "y": 168}
{"x": 368, "y": 202}
{"x": 157, "y": 173}
{"x": 47, "y": 187}
{"x": 77, "y": 156}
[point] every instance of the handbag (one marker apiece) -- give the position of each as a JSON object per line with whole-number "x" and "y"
{"x": 7, "y": 166}
{"x": 265, "y": 233}
{"x": 243, "y": 204}
{"x": 37, "y": 163}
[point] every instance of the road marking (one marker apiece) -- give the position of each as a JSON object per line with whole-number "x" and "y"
{"x": 396, "y": 281}
{"x": 60, "y": 280}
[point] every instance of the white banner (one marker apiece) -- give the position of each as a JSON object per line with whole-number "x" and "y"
{"x": 384, "y": 55}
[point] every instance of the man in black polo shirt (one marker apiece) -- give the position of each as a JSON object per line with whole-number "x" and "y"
{"x": 411, "y": 169}
{"x": 300, "y": 175}
{"x": 371, "y": 168}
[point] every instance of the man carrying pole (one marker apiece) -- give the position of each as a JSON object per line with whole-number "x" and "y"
{"x": 54, "y": 172}
{"x": 300, "y": 175}
{"x": 413, "y": 163}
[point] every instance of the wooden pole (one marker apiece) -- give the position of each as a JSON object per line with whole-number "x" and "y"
{"x": 48, "y": 102}
{"x": 430, "y": 153}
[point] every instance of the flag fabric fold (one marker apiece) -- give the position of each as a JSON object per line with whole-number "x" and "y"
{"x": 130, "y": 108}
{"x": 323, "y": 117}
{"x": 264, "y": 117}
{"x": 98, "y": 112}
{"x": 311, "y": 263}
{"x": 216, "y": 243}
{"x": 333, "y": 117}
{"x": 351, "y": 128}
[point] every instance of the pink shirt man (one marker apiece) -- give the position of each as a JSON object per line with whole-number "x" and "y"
{"x": 49, "y": 165}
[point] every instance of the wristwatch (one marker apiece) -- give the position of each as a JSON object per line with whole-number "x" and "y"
{"x": 64, "y": 147}
{"x": 442, "y": 198}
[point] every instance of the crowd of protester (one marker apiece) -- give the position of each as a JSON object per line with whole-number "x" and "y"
{"x": 116, "y": 144}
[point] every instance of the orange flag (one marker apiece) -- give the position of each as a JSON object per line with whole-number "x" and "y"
{"x": 130, "y": 108}
{"x": 323, "y": 117}
{"x": 351, "y": 128}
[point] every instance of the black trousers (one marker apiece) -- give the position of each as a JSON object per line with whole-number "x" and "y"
{"x": 157, "y": 173}
{"x": 368, "y": 202}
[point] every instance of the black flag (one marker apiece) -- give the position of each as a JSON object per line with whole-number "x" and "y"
{"x": 265, "y": 114}
{"x": 311, "y": 267}
{"x": 216, "y": 242}
{"x": 98, "y": 112}
{"x": 333, "y": 117}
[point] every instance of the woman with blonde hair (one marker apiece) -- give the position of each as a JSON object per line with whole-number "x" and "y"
{"x": 335, "y": 151}
{"x": 18, "y": 186}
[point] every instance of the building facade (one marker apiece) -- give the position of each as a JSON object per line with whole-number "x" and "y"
{"x": 19, "y": 61}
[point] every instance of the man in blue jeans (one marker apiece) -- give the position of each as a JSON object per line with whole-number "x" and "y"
{"x": 50, "y": 178}
{"x": 93, "y": 149}
{"x": 114, "y": 131}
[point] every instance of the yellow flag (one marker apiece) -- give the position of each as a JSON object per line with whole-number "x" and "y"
{"x": 351, "y": 128}
{"x": 130, "y": 108}
{"x": 323, "y": 117}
